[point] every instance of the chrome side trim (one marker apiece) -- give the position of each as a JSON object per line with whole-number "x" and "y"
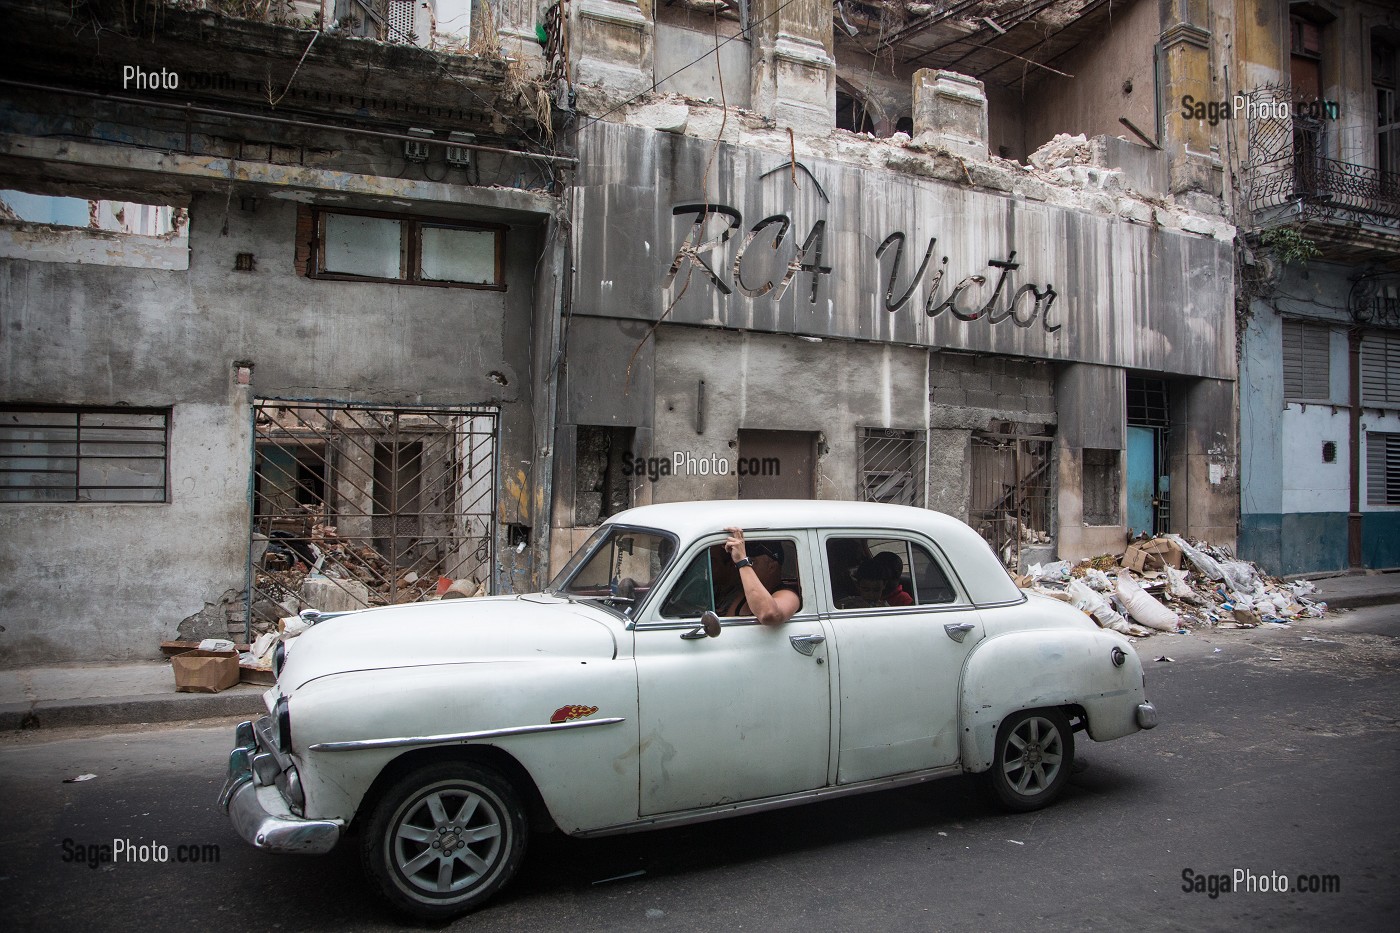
{"x": 724, "y": 811}
{"x": 403, "y": 741}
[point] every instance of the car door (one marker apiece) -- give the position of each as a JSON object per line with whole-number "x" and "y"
{"x": 741, "y": 716}
{"x": 898, "y": 666}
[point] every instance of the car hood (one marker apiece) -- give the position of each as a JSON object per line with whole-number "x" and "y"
{"x": 453, "y": 631}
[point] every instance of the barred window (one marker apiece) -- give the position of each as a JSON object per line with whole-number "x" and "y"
{"x": 83, "y": 454}
{"x": 890, "y": 466}
{"x": 1307, "y": 360}
{"x": 1380, "y": 369}
{"x": 1382, "y": 468}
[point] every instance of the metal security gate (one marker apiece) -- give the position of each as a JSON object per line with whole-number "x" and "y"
{"x": 1012, "y": 482}
{"x": 357, "y": 506}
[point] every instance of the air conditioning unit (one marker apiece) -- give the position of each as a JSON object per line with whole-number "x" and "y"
{"x": 409, "y": 22}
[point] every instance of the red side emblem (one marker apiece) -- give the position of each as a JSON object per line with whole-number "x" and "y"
{"x": 570, "y": 713}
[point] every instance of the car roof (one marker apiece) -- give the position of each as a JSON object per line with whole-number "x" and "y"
{"x": 973, "y": 560}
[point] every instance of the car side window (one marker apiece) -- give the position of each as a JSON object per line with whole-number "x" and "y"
{"x": 711, "y": 581}
{"x": 869, "y": 572}
{"x": 931, "y": 583}
{"x": 694, "y": 592}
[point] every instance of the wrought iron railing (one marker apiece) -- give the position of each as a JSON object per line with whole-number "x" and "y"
{"x": 1333, "y": 187}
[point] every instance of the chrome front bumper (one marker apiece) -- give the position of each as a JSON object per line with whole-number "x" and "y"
{"x": 258, "y": 810}
{"x": 1146, "y": 716}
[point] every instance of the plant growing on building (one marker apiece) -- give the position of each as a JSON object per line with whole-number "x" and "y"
{"x": 1289, "y": 245}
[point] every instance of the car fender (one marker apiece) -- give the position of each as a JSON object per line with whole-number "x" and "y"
{"x": 584, "y": 763}
{"x": 1039, "y": 668}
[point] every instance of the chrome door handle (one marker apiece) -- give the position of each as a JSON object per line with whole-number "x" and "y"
{"x": 806, "y": 644}
{"x": 958, "y": 630}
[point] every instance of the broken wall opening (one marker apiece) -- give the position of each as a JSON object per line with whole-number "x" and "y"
{"x": 1012, "y": 496}
{"x": 357, "y": 506}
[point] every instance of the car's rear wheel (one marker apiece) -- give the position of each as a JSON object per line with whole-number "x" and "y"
{"x": 443, "y": 839}
{"x": 1034, "y": 754}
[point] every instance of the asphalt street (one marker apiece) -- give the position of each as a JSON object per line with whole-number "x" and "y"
{"x": 1278, "y": 755}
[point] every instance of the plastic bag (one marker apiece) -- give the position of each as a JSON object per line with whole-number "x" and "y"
{"x": 1202, "y": 561}
{"x": 1098, "y": 580}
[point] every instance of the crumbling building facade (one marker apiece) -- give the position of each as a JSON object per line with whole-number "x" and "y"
{"x": 953, "y": 255}
{"x": 276, "y": 311}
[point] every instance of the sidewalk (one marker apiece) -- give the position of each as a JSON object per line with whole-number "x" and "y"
{"x": 111, "y": 693}
{"x": 114, "y": 693}
{"x": 1356, "y": 590}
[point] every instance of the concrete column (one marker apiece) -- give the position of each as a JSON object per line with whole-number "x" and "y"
{"x": 1185, "y": 49}
{"x": 951, "y": 109}
{"x": 612, "y": 46}
{"x": 794, "y": 73}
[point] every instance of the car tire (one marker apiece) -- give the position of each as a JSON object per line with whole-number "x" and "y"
{"x": 1034, "y": 755}
{"x": 442, "y": 840}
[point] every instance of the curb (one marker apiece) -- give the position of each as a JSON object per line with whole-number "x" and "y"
{"x": 155, "y": 707}
{"x": 1362, "y": 600}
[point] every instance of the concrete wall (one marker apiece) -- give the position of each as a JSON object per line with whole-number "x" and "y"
{"x": 679, "y": 45}
{"x": 1093, "y": 99}
{"x": 111, "y": 581}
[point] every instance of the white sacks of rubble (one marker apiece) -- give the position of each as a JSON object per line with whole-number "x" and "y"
{"x": 1143, "y": 608}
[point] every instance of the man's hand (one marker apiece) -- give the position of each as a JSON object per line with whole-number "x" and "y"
{"x": 734, "y": 544}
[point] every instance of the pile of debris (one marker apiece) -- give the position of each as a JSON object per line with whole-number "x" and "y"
{"x": 1167, "y": 584}
{"x": 319, "y": 569}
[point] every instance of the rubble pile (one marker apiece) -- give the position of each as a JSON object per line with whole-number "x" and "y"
{"x": 318, "y": 569}
{"x": 1168, "y": 584}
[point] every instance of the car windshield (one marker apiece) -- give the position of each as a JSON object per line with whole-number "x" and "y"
{"x": 618, "y": 565}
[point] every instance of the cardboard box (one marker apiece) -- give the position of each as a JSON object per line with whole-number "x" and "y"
{"x": 205, "y": 671}
{"x": 1142, "y": 556}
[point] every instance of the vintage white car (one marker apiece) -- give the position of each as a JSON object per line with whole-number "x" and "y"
{"x": 616, "y": 700}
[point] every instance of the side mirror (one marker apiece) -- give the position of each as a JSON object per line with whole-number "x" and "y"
{"x": 708, "y": 627}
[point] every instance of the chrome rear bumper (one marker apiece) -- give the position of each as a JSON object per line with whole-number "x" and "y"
{"x": 1146, "y": 716}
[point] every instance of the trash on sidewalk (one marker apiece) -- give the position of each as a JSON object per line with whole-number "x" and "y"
{"x": 1169, "y": 584}
{"x": 79, "y": 779}
{"x": 200, "y": 671}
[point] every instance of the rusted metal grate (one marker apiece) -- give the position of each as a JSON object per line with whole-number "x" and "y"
{"x": 357, "y": 506}
{"x": 1010, "y": 503}
{"x": 890, "y": 466}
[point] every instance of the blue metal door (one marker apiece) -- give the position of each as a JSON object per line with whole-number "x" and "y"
{"x": 1142, "y": 479}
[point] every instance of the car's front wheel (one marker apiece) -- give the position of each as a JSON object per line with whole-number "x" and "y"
{"x": 444, "y": 839}
{"x": 1034, "y": 754}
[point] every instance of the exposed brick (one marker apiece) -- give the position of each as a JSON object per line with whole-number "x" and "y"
{"x": 943, "y": 396}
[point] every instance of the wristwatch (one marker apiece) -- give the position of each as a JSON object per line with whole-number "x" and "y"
{"x": 743, "y": 562}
